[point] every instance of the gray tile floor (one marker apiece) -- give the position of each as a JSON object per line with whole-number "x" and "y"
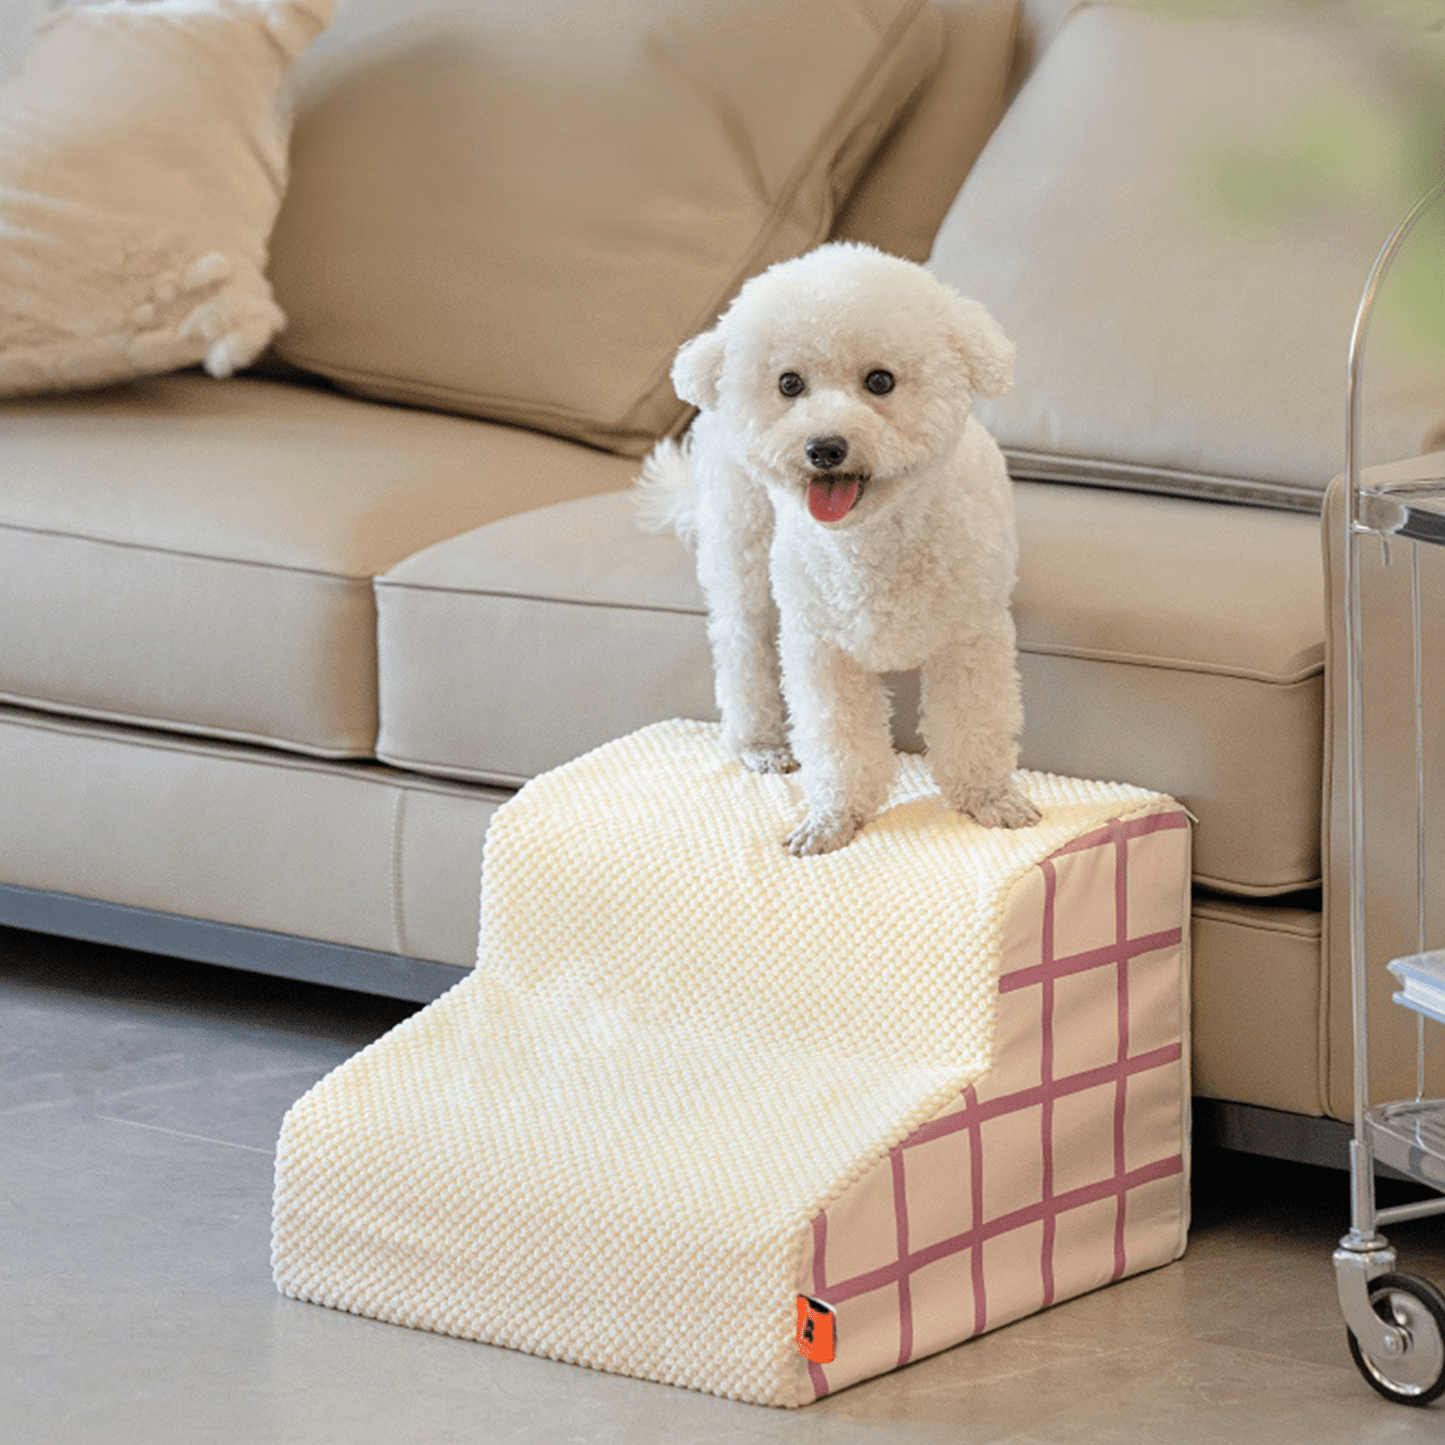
{"x": 138, "y": 1110}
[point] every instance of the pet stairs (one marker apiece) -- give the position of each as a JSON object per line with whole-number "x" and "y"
{"x": 929, "y": 1083}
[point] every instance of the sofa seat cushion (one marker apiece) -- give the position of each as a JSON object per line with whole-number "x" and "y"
{"x": 1171, "y": 643}
{"x": 198, "y": 556}
{"x": 1174, "y": 222}
{"x": 518, "y": 645}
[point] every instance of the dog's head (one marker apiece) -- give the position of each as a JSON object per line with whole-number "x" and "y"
{"x": 843, "y": 373}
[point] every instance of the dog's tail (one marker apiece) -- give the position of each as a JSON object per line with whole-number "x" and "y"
{"x": 664, "y": 494}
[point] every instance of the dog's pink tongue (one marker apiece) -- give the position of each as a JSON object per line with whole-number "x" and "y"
{"x": 832, "y": 501}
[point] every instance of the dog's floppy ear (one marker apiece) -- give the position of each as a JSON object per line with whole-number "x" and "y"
{"x": 987, "y": 354}
{"x": 697, "y": 369}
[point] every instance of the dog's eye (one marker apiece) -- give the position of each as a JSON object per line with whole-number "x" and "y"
{"x": 791, "y": 384}
{"x": 880, "y": 383}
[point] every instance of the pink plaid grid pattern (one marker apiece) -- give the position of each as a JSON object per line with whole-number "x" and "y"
{"x": 1074, "y": 1140}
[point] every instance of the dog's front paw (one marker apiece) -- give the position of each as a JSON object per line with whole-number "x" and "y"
{"x": 769, "y": 760}
{"x": 1001, "y": 807}
{"x": 820, "y": 833}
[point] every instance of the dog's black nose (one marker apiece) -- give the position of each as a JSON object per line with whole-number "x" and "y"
{"x": 825, "y": 453}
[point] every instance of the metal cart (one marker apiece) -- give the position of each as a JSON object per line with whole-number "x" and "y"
{"x": 1396, "y": 1321}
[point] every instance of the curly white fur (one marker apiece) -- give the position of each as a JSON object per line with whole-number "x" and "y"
{"x": 851, "y": 518}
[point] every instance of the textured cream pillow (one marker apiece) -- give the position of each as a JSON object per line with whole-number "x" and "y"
{"x": 520, "y": 211}
{"x": 142, "y": 161}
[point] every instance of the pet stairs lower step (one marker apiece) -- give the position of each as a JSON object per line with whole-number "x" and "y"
{"x": 934, "y": 1081}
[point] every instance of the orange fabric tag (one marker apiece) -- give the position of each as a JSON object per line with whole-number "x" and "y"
{"x": 817, "y": 1331}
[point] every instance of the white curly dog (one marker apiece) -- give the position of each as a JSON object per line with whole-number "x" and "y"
{"x": 851, "y": 518}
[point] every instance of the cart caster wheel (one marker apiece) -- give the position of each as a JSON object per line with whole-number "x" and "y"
{"x": 1414, "y": 1306}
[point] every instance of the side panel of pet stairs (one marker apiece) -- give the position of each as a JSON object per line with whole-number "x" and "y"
{"x": 935, "y": 1080}
{"x": 1065, "y": 1167}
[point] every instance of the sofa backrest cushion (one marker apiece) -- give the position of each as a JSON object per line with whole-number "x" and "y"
{"x": 1173, "y": 223}
{"x": 902, "y": 198}
{"x": 520, "y": 211}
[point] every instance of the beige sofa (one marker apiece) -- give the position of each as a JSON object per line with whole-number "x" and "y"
{"x": 273, "y": 649}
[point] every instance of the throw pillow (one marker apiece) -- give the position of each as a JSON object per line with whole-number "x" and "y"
{"x": 521, "y": 211}
{"x": 142, "y": 161}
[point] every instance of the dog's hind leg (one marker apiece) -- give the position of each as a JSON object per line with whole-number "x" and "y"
{"x": 734, "y": 536}
{"x": 972, "y": 717}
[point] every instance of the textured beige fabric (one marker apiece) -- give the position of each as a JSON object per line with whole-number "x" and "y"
{"x": 521, "y": 211}
{"x": 142, "y": 161}
{"x": 1391, "y": 814}
{"x": 1170, "y": 227}
{"x": 200, "y": 557}
{"x": 342, "y": 852}
{"x": 1169, "y": 642}
{"x": 910, "y": 184}
{"x": 670, "y": 1058}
